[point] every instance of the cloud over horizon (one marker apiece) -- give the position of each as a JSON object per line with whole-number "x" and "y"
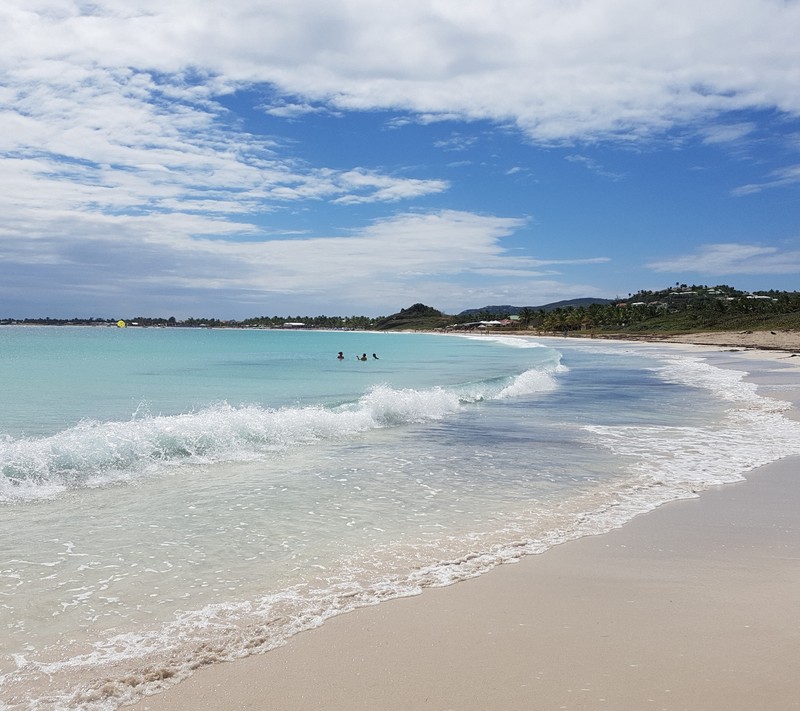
{"x": 731, "y": 259}
{"x": 123, "y": 128}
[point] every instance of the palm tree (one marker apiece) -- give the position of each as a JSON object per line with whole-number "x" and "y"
{"x": 525, "y": 315}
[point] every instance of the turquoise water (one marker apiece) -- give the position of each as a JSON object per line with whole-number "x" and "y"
{"x": 171, "y": 498}
{"x": 54, "y": 377}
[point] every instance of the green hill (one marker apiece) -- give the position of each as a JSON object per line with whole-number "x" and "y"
{"x": 416, "y": 317}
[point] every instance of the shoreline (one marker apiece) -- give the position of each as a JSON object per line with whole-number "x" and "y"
{"x": 786, "y": 340}
{"x": 692, "y": 605}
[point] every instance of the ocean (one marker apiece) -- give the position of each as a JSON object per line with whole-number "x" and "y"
{"x": 171, "y": 498}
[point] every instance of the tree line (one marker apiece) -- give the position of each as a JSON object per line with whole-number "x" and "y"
{"x": 680, "y": 307}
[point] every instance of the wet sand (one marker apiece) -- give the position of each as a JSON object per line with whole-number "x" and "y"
{"x": 693, "y": 606}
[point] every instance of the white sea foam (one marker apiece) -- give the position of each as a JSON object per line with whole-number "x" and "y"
{"x": 688, "y": 459}
{"x": 512, "y": 341}
{"x": 533, "y": 381}
{"x": 100, "y": 453}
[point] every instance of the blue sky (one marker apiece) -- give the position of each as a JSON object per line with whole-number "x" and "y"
{"x": 301, "y": 157}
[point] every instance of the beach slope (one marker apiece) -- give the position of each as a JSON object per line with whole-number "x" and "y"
{"x": 695, "y": 605}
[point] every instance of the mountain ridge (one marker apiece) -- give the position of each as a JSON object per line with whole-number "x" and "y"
{"x": 508, "y": 309}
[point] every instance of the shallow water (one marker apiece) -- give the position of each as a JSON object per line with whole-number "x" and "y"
{"x": 171, "y": 498}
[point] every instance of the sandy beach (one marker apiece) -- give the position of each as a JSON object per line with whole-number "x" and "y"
{"x": 695, "y": 605}
{"x": 782, "y": 340}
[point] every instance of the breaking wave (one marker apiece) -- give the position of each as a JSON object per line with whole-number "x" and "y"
{"x": 94, "y": 453}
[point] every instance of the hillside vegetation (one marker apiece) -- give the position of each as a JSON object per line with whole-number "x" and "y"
{"x": 679, "y": 309}
{"x": 683, "y": 309}
{"x": 416, "y": 317}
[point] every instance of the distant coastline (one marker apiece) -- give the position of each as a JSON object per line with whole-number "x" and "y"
{"x": 765, "y": 319}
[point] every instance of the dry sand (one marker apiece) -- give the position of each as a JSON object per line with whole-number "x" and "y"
{"x": 786, "y": 340}
{"x": 694, "y": 606}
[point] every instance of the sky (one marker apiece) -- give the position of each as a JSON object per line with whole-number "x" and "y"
{"x": 305, "y": 157}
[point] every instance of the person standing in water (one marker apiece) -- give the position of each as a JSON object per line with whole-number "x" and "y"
{"x": 340, "y": 356}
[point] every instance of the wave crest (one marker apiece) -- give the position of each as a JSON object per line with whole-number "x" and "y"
{"x": 100, "y": 453}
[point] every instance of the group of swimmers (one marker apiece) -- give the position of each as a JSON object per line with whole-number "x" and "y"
{"x": 363, "y": 356}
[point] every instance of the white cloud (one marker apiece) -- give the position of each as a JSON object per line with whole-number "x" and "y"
{"x": 777, "y": 179}
{"x": 593, "y": 166}
{"x": 726, "y": 259}
{"x": 106, "y": 159}
{"x": 293, "y": 110}
{"x": 127, "y": 90}
{"x": 370, "y": 270}
{"x": 559, "y": 70}
{"x": 364, "y": 186}
{"x": 727, "y": 133}
{"x": 456, "y": 142}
